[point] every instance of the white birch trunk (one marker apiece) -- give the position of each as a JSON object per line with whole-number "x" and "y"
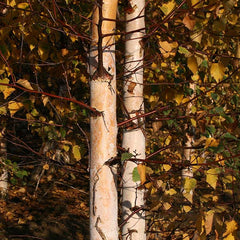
{"x": 133, "y": 136}
{"x": 103, "y": 189}
{"x": 4, "y": 175}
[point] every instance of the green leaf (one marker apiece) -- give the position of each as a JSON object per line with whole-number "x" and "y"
{"x": 135, "y": 175}
{"x": 126, "y": 156}
{"x": 184, "y": 51}
{"x": 230, "y": 136}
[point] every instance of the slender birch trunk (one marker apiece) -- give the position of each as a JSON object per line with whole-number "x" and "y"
{"x": 4, "y": 173}
{"x": 133, "y": 136}
{"x": 188, "y": 172}
{"x": 103, "y": 190}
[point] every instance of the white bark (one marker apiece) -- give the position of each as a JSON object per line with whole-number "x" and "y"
{"x": 103, "y": 190}
{"x": 133, "y": 137}
{"x": 4, "y": 175}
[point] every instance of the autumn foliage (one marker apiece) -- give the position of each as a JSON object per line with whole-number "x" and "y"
{"x": 45, "y": 109}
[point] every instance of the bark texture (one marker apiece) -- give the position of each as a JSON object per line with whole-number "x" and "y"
{"x": 4, "y": 173}
{"x": 133, "y": 136}
{"x": 103, "y": 190}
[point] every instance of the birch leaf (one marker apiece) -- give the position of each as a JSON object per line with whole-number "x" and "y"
{"x": 209, "y": 221}
{"x": 229, "y": 237}
{"x": 14, "y": 107}
{"x": 189, "y": 184}
{"x": 217, "y": 71}
{"x": 126, "y": 156}
{"x": 142, "y": 172}
{"x": 188, "y": 22}
{"x": 212, "y": 177}
{"x": 25, "y": 83}
{"x": 168, "y": 7}
{"x": 7, "y": 92}
{"x": 231, "y": 226}
{"x": 76, "y": 152}
{"x": 135, "y": 175}
{"x": 4, "y": 81}
{"x": 192, "y": 64}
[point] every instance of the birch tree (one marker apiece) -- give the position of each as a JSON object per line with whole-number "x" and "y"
{"x": 4, "y": 174}
{"x": 133, "y": 136}
{"x": 103, "y": 190}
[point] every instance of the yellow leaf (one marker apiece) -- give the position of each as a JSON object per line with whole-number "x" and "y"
{"x": 168, "y": 140}
{"x": 4, "y": 81}
{"x": 166, "y": 206}
{"x": 209, "y": 221}
{"x": 186, "y": 209}
{"x": 23, "y": 5}
{"x": 188, "y": 196}
{"x": 231, "y": 226}
{"x": 168, "y": 7}
{"x": 229, "y": 237}
{"x": 217, "y": 71}
{"x": 192, "y": 64}
{"x": 186, "y": 236}
{"x": 11, "y": 3}
{"x": 211, "y": 142}
{"x": 142, "y": 172}
{"x": 154, "y": 66}
{"x": 3, "y": 110}
{"x": 189, "y": 184}
{"x": 165, "y": 48}
{"x": 166, "y": 167}
{"x": 193, "y": 121}
{"x": 14, "y": 107}
{"x": 25, "y": 83}
{"x": 178, "y": 98}
{"x": 170, "y": 192}
{"x": 7, "y": 92}
{"x": 76, "y": 152}
{"x": 45, "y": 100}
{"x": 212, "y": 177}
{"x": 46, "y": 166}
{"x": 196, "y": 36}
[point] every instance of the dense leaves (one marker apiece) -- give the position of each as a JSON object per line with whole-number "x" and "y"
{"x": 192, "y": 88}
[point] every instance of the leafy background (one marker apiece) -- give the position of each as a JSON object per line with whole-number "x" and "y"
{"x": 191, "y": 72}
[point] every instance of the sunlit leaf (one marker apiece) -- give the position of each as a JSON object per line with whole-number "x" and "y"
{"x": 170, "y": 192}
{"x": 142, "y": 172}
{"x": 209, "y": 221}
{"x": 25, "y": 83}
{"x": 192, "y": 64}
{"x": 76, "y": 152}
{"x": 14, "y": 106}
{"x": 166, "y": 167}
{"x": 212, "y": 177}
{"x": 231, "y": 226}
{"x": 217, "y": 71}
{"x": 187, "y": 208}
{"x": 168, "y": 7}
{"x": 8, "y": 91}
{"x": 4, "y": 81}
{"x": 189, "y": 22}
{"x": 189, "y": 184}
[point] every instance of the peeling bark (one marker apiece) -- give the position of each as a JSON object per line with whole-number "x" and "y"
{"x": 103, "y": 189}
